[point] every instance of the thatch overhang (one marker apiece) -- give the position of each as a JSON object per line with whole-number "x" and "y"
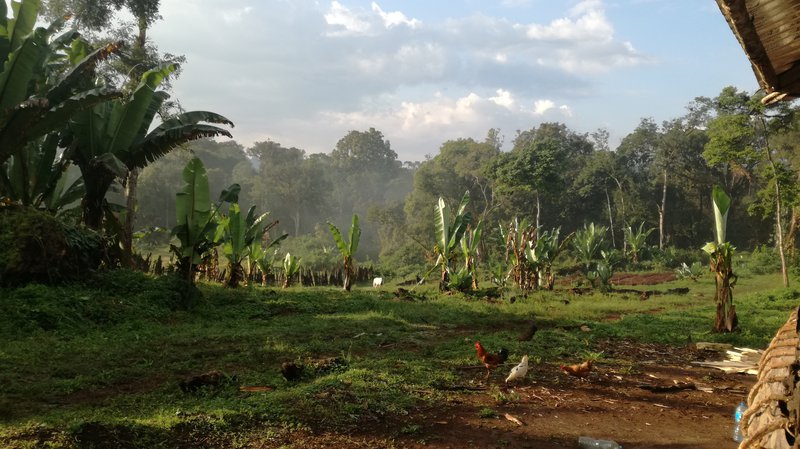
{"x": 769, "y": 32}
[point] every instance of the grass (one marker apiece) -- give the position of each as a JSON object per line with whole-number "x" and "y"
{"x": 113, "y": 350}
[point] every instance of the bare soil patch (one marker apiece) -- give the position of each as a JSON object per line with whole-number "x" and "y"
{"x": 642, "y": 278}
{"x": 556, "y": 409}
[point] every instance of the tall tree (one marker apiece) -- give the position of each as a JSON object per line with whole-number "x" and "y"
{"x": 294, "y": 188}
{"x": 739, "y": 142}
{"x": 536, "y": 169}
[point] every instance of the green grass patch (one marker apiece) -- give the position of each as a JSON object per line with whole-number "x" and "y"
{"x": 106, "y": 356}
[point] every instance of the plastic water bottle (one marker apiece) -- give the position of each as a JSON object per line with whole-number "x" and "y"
{"x": 737, "y": 420}
{"x": 591, "y": 443}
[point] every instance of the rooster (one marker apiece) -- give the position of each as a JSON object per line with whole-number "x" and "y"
{"x": 489, "y": 360}
{"x": 579, "y": 370}
{"x": 519, "y": 371}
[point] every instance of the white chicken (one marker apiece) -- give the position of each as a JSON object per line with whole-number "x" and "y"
{"x": 519, "y": 371}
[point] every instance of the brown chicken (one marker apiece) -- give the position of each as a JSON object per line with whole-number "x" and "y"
{"x": 489, "y": 360}
{"x": 581, "y": 370}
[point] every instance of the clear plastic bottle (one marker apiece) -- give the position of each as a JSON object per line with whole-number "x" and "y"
{"x": 737, "y": 420}
{"x": 591, "y": 443}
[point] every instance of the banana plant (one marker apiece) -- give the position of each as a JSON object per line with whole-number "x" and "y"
{"x": 263, "y": 256}
{"x": 37, "y": 178}
{"x": 518, "y": 239}
{"x": 448, "y": 236}
{"x": 291, "y": 266}
{"x": 588, "y": 243}
{"x": 348, "y": 249}
{"x": 469, "y": 249}
{"x": 637, "y": 241}
{"x": 721, "y": 264}
{"x": 543, "y": 254}
{"x": 196, "y": 220}
{"x": 35, "y": 99}
{"x": 112, "y": 138}
{"x": 239, "y": 233}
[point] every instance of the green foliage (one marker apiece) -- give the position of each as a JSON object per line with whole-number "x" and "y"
{"x": 469, "y": 249}
{"x": 518, "y": 239}
{"x": 291, "y": 266}
{"x": 449, "y": 233}
{"x": 637, "y": 242}
{"x": 347, "y": 248}
{"x": 34, "y": 99}
{"x": 542, "y": 255}
{"x": 721, "y": 252}
{"x": 588, "y": 243}
{"x": 114, "y": 137}
{"x": 240, "y": 236}
{"x": 762, "y": 260}
{"x": 693, "y": 272}
{"x": 196, "y": 227}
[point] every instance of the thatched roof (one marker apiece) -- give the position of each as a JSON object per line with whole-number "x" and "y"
{"x": 769, "y": 31}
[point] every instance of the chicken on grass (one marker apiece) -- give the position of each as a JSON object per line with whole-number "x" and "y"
{"x": 580, "y": 370}
{"x": 518, "y": 372}
{"x": 490, "y": 360}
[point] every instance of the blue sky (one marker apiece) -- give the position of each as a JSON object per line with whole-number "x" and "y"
{"x": 304, "y": 73}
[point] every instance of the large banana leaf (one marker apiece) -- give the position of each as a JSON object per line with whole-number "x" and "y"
{"x": 722, "y": 203}
{"x": 337, "y": 237}
{"x": 441, "y": 223}
{"x": 20, "y": 68}
{"x": 23, "y": 21}
{"x": 83, "y": 64}
{"x": 193, "y": 202}
{"x": 158, "y": 144}
{"x": 46, "y": 119}
{"x": 235, "y": 243}
{"x": 125, "y": 122}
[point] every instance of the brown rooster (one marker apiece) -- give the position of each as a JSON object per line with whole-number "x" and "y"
{"x": 581, "y": 370}
{"x": 489, "y": 360}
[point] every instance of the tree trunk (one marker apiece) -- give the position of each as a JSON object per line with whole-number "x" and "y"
{"x": 661, "y": 212}
{"x": 622, "y": 210}
{"x": 235, "y": 275}
{"x": 610, "y": 220}
{"x": 130, "y": 212}
{"x": 778, "y": 225}
{"x": 791, "y": 236}
{"x": 538, "y": 209}
{"x": 726, "y": 319}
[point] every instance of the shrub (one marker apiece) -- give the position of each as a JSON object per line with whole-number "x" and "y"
{"x": 36, "y": 246}
{"x": 762, "y": 260}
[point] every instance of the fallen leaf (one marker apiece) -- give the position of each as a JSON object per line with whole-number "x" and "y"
{"x": 513, "y": 419}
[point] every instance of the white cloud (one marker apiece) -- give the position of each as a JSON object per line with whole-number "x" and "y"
{"x": 393, "y": 19}
{"x": 542, "y": 106}
{"x": 315, "y": 70}
{"x": 587, "y": 22}
{"x": 503, "y": 98}
{"x": 340, "y": 16}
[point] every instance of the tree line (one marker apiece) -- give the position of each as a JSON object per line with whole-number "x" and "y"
{"x": 660, "y": 175}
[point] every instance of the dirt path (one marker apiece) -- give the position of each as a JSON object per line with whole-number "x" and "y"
{"x": 556, "y": 409}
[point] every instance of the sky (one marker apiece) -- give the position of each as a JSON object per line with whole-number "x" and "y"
{"x": 304, "y": 73}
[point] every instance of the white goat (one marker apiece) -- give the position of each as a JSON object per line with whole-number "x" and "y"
{"x": 377, "y": 282}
